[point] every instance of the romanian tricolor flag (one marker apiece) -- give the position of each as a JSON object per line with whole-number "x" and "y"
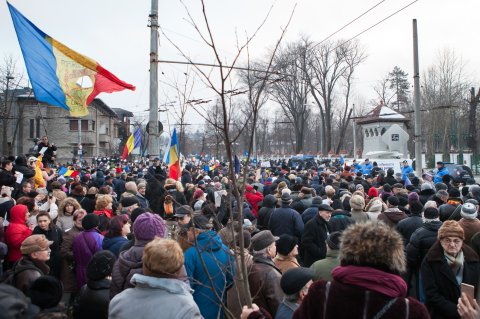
{"x": 173, "y": 158}
{"x": 134, "y": 141}
{"x": 59, "y": 75}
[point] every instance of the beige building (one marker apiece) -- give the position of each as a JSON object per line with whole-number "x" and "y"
{"x": 99, "y": 133}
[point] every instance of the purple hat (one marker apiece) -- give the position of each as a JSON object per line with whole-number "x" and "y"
{"x": 147, "y": 226}
{"x": 413, "y": 196}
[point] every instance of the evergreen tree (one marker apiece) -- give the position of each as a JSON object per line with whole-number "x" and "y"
{"x": 399, "y": 83}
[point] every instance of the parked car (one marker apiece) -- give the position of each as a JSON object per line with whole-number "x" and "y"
{"x": 460, "y": 173}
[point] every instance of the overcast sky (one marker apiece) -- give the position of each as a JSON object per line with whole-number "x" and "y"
{"x": 115, "y": 33}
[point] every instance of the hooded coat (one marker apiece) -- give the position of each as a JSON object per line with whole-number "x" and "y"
{"x": 160, "y": 298}
{"x": 85, "y": 245}
{"x": 220, "y": 265}
{"x": 392, "y": 216}
{"x": 266, "y": 211}
{"x": 17, "y": 231}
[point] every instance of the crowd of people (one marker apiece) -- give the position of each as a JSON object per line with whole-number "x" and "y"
{"x": 119, "y": 240}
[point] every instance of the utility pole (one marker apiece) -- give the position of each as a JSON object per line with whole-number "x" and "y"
{"x": 416, "y": 95}
{"x": 354, "y": 131}
{"x": 153, "y": 145}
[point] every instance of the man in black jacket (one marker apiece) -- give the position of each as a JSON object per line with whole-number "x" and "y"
{"x": 50, "y": 152}
{"x": 316, "y": 231}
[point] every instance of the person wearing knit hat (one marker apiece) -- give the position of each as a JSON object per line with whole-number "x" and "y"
{"x": 448, "y": 264}
{"x": 264, "y": 276}
{"x": 287, "y": 251}
{"x": 469, "y": 221}
{"x": 94, "y": 298}
{"x": 357, "y": 204}
{"x": 413, "y": 196}
{"x": 371, "y": 261}
{"x": 46, "y": 293}
{"x": 421, "y": 241}
{"x": 294, "y": 283}
{"x": 372, "y": 192}
{"x": 85, "y": 245}
{"x": 406, "y": 227}
{"x": 323, "y": 268}
{"x": 146, "y": 227}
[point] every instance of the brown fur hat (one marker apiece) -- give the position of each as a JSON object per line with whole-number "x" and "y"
{"x": 373, "y": 244}
{"x": 451, "y": 228}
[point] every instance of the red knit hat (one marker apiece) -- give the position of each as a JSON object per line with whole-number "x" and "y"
{"x": 372, "y": 192}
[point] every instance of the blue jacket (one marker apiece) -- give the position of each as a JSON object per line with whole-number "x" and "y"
{"x": 114, "y": 244}
{"x": 367, "y": 168}
{"x": 405, "y": 171}
{"x": 439, "y": 174}
{"x": 286, "y": 310}
{"x": 285, "y": 220}
{"x": 220, "y": 265}
{"x": 357, "y": 168}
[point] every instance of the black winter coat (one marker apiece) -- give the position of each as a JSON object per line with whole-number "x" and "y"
{"x": 390, "y": 179}
{"x": 154, "y": 194}
{"x": 54, "y": 234}
{"x": 420, "y": 243}
{"x": 93, "y": 300}
{"x": 440, "y": 285}
{"x": 446, "y": 211}
{"x": 313, "y": 246}
{"x": 425, "y": 195}
{"x": 286, "y": 220}
{"x": 7, "y": 178}
{"x": 406, "y": 227}
{"x": 266, "y": 211}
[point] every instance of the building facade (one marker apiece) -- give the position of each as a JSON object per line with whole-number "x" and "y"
{"x": 99, "y": 133}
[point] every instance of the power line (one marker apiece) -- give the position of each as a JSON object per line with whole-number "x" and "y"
{"x": 349, "y": 23}
{"x": 373, "y": 26}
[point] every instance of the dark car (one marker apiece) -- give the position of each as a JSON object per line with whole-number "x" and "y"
{"x": 460, "y": 173}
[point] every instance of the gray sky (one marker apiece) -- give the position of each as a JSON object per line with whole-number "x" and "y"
{"x": 115, "y": 33}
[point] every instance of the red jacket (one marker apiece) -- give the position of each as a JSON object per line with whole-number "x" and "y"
{"x": 16, "y": 232}
{"x": 253, "y": 199}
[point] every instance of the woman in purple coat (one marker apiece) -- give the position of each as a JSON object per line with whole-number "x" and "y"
{"x": 85, "y": 245}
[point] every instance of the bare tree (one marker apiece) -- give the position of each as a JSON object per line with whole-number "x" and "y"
{"x": 292, "y": 90}
{"x": 221, "y": 85}
{"x": 444, "y": 89}
{"x": 10, "y": 80}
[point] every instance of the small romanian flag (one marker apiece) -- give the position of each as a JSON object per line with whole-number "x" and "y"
{"x": 134, "y": 141}
{"x": 59, "y": 75}
{"x": 173, "y": 158}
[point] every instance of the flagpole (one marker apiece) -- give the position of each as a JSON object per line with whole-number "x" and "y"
{"x": 153, "y": 145}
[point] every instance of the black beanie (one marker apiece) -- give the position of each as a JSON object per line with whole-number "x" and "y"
{"x": 285, "y": 244}
{"x": 333, "y": 240}
{"x": 293, "y": 280}
{"x": 393, "y": 200}
{"x": 90, "y": 221}
{"x": 46, "y": 292}
{"x": 101, "y": 265}
{"x": 454, "y": 192}
{"x": 416, "y": 207}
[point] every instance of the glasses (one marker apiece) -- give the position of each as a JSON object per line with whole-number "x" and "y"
{"x": 449, "y": 241}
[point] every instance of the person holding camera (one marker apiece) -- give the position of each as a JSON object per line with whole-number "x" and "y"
{"x": 49, "y": 154}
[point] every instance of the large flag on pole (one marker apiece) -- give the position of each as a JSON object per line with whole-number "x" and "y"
{"x": 173, "y": 158}
{"x": 59, "y": 75}
{"x": 134, "y": 141}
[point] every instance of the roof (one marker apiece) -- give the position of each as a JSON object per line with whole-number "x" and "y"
{"x": 122, "y": 113}
{"x": 104, "y": 108}
{"x": 381, "y": 113}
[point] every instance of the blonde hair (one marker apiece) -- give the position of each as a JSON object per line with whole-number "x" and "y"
{"x": 68, "y": 201}
{"x": 103, "y": 201}
{"x": 162, "y": 258}
{"x": 179, "y": 186}
{"x": 329, "y": 191}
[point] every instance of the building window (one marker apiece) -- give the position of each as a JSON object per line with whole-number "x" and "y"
{"x": 32, "y": 128}
{"x": 93, "y": 126}
{"x": 73, "y": 125}
{"x": 38, "y": 127}
{"x": 84, "y": 124}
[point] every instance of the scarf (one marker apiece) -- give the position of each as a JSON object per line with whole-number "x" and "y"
{"x": 106, "y": 212}
{"x": 456, "y": 265}
{"x": 372, "y": 279}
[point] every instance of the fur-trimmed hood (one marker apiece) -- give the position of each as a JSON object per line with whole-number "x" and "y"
{"x": 435, "y": 254}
